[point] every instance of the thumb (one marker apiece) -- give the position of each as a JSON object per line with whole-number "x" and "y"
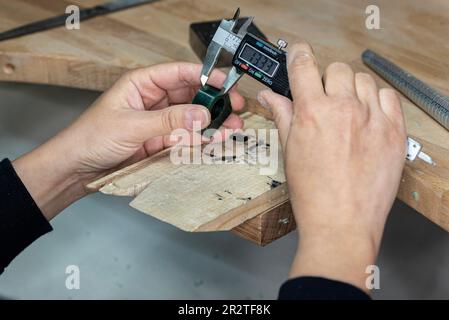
{"x": 281, "y": 107}
{"x": 163, "y": 122}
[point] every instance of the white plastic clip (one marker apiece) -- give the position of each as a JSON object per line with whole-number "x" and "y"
{"x": 414, "y": 150}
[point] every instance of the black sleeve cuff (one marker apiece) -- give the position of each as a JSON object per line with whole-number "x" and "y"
{"x": 21, "y": 221}
{"x": 316, "y": 288}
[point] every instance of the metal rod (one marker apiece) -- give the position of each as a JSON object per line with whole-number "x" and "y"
{"x": 428, "y": 99}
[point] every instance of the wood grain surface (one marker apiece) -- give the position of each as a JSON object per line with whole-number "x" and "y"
{"x": 215, "y": 196}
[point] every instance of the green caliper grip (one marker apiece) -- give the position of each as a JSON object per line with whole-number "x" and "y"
{"x": 219, "y": 105}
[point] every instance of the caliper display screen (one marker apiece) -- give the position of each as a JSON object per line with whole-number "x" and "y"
{"x": 258, "y": 60}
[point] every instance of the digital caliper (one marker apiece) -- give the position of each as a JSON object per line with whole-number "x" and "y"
{"x": 268, "y": 64}
{"x": 251, "y": 55}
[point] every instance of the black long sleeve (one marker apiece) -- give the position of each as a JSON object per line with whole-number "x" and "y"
{"x": 21, "y": 221}
{"x": 316, "y": 288}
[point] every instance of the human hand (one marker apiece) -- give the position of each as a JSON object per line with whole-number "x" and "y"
{"x": 132, "y": 120}
{"x": 345, "y": 148}
{"x": 129, "y": 122}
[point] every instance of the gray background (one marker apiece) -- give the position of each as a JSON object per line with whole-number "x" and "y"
{"x": 122, "y": 253}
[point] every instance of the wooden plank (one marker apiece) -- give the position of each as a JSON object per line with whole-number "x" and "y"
{"x": 413, "y": 34}
{"x": 207, "y": 197}
{"x": 132, "y": 180}
{"x": 268, "y": 226}
{"x": 203, "y": 209}
{"x": 425, "y": 187}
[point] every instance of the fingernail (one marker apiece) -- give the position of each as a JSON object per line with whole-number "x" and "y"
{"x": 197, "y": 117}
{"x": 262, "y": 101}
{"x": 299, "y": 54}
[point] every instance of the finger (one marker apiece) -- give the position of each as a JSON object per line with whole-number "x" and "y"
{"x": 220, "y": 135}
{"x": 367, "y": 91}
{"x": 156, "y": 82}
{"x": 136, "y": 157}
{"x": 304, "y": 76}
{"x": 186, "y": 95}
{"x": 233, "y": 122}
{"x": 176, "y": 96}
{"x": 391, "y": 106}
{"x": 282, "y": 111}
{"x": 237, "y": 100}
{"x": 176, "y": 83}
{"x": 339, "y": 80}
{"x": 188, "y": 139}
{"x": 163, "y": 122}
{"x": 175, "y": 75}
{"x": 154, "y": 145}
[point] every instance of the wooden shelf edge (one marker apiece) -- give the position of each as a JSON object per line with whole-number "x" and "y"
{"x": 268, "y": 226}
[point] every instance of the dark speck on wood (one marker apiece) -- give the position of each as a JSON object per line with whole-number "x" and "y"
{"x": 274, "y": 183}
{"x": 224, "y": 158}
{"x": 240, "y": 137}
{"x": 262, "y": 144}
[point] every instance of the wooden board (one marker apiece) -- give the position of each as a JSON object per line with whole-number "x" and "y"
{"x": 217, "y": 195}
{"x": 413, "y": 34}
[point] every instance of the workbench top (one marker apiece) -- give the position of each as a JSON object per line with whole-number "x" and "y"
{"x": 414, "y": 34}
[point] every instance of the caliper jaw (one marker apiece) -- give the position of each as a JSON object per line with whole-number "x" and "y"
{"x": 225, "y": 38}
{"x": 217, "y": 100}
{"x": 235, "y": 74}
{"x": 214, "y": 49}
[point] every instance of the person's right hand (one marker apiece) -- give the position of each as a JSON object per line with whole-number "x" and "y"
{"x": 345, "y": 146}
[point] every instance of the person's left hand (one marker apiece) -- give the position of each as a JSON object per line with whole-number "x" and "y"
{"x": 129, "y": 122}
